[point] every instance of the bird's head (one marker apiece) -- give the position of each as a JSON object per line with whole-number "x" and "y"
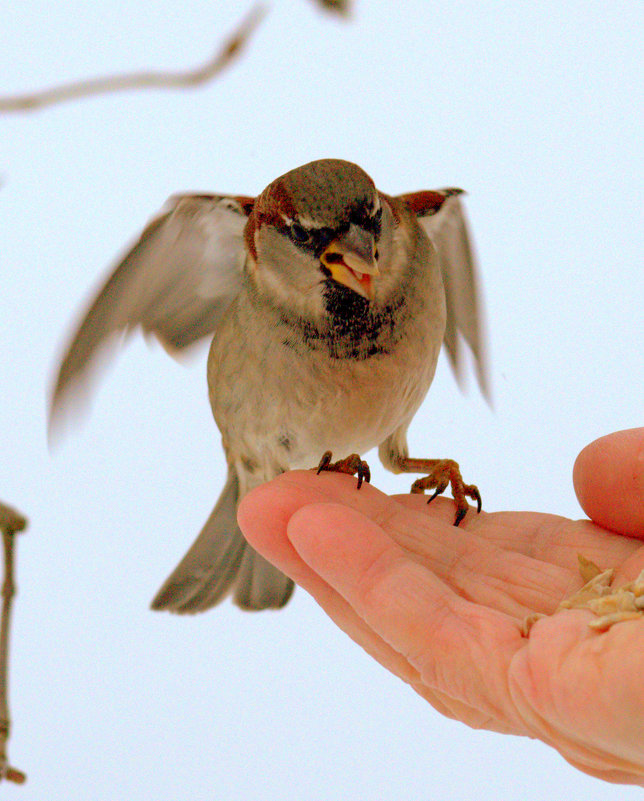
{"x": 314, "y": 236}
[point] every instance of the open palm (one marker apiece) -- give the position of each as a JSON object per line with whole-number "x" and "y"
{"x": 442, "y": 607}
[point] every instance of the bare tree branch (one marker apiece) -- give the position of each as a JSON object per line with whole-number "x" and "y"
{"x": 11, "y": 522}
{"x": 141, "y": 80}
{"x": 341, "y": 6}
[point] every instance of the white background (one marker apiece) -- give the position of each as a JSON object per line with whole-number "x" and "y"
{"x": 534, "y": 108}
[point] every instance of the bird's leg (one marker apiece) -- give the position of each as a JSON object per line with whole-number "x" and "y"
{"x": 353, "y": 465}
{"x": 440, "y": 474}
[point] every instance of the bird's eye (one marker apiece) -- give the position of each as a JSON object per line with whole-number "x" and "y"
{"x": 298, "y": 233}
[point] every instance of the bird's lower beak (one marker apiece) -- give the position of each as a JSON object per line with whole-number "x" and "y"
{"x": 351, "y": 260}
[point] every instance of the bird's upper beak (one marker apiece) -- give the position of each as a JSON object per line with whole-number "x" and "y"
{"x": 351, "y": 260}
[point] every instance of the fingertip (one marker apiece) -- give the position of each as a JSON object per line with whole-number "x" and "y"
{"x": 263, "y": 514}
{"x": 608, "y": 477}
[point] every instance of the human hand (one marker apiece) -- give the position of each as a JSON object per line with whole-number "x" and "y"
{"x": 442, "y": 607}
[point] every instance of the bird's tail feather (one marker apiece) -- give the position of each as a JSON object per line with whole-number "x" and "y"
{"x": 259, "y": 584}
{"x": 220, "y": 561}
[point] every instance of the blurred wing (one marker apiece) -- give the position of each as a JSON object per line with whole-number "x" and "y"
{"x": 175, "y": 283}
{"x": 442, "y": 216}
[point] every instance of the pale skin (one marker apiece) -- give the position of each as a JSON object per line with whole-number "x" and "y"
{"x": 442, "y": 607}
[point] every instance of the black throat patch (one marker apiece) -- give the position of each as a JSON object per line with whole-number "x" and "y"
{"x": 353, "y": 329}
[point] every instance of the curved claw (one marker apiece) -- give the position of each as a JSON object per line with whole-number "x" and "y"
{"x": 472, "y": 491}
{"x": 461, "y": 511}
{"x": 441, "y": 474}
{"x": 364, "y": 473}
{"x": 440, "y": 488}
{"x": 353, "y": 465}
{"x": 325, "y": 461}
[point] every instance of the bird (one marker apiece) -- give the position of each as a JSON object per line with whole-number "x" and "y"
{"x": 327, "y": 302}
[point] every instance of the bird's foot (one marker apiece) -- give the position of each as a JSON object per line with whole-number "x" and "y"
{"x": 442, "y": 473}
{"x": 353, "y": 465}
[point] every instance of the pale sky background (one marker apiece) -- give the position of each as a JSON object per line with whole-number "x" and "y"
{"x": 535, "y": 109}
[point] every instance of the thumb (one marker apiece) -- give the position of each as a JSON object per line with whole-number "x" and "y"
{"x": 609, "y": 481}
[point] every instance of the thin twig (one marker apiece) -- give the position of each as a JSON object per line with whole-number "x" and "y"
{"x": 341, "y": 6}
{"x": 141, "y": 80}
{"x": 11, "y": 522}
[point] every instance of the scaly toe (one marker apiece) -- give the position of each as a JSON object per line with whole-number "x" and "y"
{"x": 353, "y": 465}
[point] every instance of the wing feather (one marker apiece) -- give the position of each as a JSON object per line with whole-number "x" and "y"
{"x": 175, "y": 283}
{"x": 442, "y": 216}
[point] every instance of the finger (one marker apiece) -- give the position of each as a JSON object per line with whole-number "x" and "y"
{"x": 263, "y": 516}
{"x": 477, "y": 568}
{"x": 459, "y": 648}
{"x": 550, "y": 542}
{"x": 466, "y": 557}
{"x": 545, "y": 537}
{"x": 609, "y": 481}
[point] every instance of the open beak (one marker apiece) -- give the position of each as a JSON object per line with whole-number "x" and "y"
{"x": 351, "y": 260}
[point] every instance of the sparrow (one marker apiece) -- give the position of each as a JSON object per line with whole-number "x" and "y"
{"x": 329, "y": 302}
